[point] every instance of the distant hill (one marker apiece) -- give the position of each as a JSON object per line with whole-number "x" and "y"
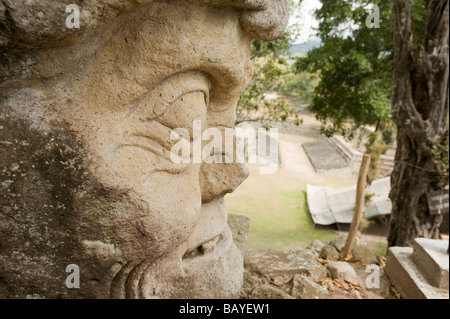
{"x": 301, "y": 49}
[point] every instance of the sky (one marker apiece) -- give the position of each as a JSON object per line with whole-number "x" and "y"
{"x": 305, "y": 19}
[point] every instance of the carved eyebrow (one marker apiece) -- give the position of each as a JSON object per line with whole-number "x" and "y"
{"x": 166, "y": 92}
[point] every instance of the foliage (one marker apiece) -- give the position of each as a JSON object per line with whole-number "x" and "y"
{"x": 301, "y": 85}
{"x": 440, "y": 154}
{"x": 376, "y": 147}
{"x": 355, "y": 66}
{"x": 271, "y": 68}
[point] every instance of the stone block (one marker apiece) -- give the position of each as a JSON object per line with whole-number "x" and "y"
{"x": 329, "y": 252}
{"x": 272, "y": 262}
{"x": 407, "y": 277}
{"x": 269, "y": 292}
{"x": 432, "y": 259}
{"x": 344, "y": 271}
{"x": 305, "y": 288}
{"x": 239, "y": 226}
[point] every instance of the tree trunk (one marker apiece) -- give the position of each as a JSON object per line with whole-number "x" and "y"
{"x": 420, "y": 111}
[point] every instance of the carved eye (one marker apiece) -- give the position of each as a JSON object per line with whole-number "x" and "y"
{"x": 175, "y": 102}
{"x": 184, "y": 111}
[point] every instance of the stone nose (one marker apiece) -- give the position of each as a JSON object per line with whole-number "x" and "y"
{"x": 217, "y": 180}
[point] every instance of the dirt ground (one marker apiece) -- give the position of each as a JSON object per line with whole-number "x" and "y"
{"x": 295, "y": 173}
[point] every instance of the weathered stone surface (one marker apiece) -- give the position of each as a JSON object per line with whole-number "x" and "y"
{"x": 276, "y": 269}
{"x": 239, "y": 226}
{"x": 373, "y": 277}
{"x": 339, "y": 242}
{"x": 305, "y": 288}
{"x": 408, "y": 278}
{"x": 431, "y": 257}
{"x": 329, "y": 252}
{"x": 316, "y": 246}
{"x": 221, "y": 180}
{"x": 251, "y": 281}
{"x": 269, "y": 292}
{"x": 324, "y": 155}
{"x": 32, "y": 23}
{"x": 343, "y": 271}
{"x": 363, "y": 254}
{"x": 266, "y": 24}
{"x": 86, "y": 116}
{"x": 272, "y": 262}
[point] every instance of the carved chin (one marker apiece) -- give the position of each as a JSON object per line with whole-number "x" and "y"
{"x": 212, "y": 270}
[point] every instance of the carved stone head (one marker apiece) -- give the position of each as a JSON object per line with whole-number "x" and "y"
{"x": 85, "y": 122}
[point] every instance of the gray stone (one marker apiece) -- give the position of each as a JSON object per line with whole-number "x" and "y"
{"x": 407, "y": 277}
{"x": 305, "y": 288}
{"x": 316, "y": 246}
{"x": 329, "y": 252}
{"x": 339, "y": 242}
{"x": 324, "y": 155}
{"x": 363, "y": 254}
{"x": 269, "y": 292}
{"x": 366, "y": 276}
{"x": 268, "y": 24}
{"x": 88, "y": 172}
{"x": 343, "y": 271}
{"x": 431, "y": 257}
{"x": 251, "y": 281}
{"x": 31, "y": 23}
{"x": 273, "y": 262}
{"x": 239, "y": 226}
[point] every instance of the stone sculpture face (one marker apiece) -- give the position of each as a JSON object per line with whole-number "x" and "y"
{"x": 87, "y": 177}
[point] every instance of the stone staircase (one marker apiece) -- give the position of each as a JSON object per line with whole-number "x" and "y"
{"x": 354, "y": 157}
{"x": 420, "y": 272}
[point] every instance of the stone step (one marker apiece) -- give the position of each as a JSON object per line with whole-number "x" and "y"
{"x": 407, "y": 277}
{"x": 324, "y": 155}
{"x": 341, "y": 148}
{"x": 431, "y": 258}
{"x": 385, "y": 166}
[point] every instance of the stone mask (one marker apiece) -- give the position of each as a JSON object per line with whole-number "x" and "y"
{"x": 85, "y": 122}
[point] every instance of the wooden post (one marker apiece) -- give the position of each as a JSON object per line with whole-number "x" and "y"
{"x": 358, "y": 207}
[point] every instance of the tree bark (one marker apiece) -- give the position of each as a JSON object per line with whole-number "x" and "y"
{"x": 420, "y": 111}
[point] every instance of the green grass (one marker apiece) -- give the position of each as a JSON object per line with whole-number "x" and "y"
{"x": 278, "y": 221}
{"x": 277, "y": 207}
{"x": 379, "y": 249}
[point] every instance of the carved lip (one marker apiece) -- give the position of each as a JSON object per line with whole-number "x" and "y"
{"x": 209, "y": 247}
{"x": 211, "y": 234}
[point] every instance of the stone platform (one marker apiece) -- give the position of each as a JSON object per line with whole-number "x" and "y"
{"x": 421, "y": 272}
{"x": 324, "y": 155}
